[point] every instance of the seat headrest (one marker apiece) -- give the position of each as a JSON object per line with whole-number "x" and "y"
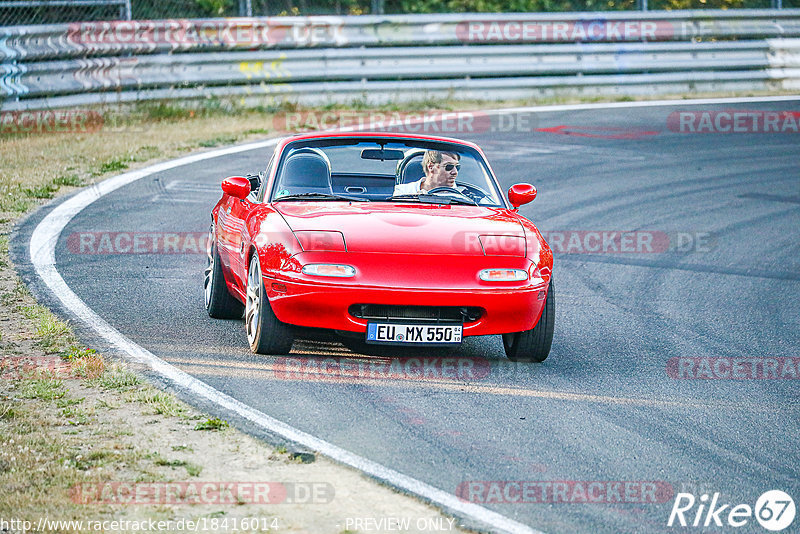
{"x": 413, "y": 171}
{"x": 306, "y": 171}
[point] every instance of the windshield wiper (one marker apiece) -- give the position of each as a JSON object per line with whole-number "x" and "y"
{"x": 403, "y": 197}
{"x": 435, "y": 199}
{"x": 430, "y": 199}
{"x": 463, "y": 200}
{"x": 320, "y": 196}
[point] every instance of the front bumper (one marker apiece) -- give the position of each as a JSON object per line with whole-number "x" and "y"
{"x": 321, "y": 305}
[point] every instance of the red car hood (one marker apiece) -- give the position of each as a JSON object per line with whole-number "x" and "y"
{"x": 406, "y": 227}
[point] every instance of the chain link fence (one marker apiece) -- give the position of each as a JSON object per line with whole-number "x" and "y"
{"x": 25, "y": 12}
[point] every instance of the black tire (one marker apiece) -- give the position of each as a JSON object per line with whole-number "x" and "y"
{"x": 220, "y": 304}
{"x": 534, "y": 345}
{"x": 265, "y": 333}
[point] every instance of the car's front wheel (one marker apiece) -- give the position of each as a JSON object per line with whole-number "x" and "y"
{"x": 534, "y": 345}
{"x": 265, "y": 333}
{"x": 220, "y": 304}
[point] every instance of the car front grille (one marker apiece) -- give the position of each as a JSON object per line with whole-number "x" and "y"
{"x": 436, "y": 314}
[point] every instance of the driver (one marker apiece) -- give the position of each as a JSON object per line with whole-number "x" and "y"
{"x": 441, "y": 170}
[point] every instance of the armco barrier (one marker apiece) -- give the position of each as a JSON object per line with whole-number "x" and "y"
{"x": 378, "y": 59}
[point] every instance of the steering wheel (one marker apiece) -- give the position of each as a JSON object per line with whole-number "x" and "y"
{"x": 473, "y": 192}
{"x": 445, "y": 189}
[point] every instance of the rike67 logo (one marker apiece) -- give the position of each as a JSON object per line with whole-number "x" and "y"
{"x": 774, "y": 510}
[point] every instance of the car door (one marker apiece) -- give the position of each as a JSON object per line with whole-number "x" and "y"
{"x": 235, "y": 223}
{"x": 237, "y": 213}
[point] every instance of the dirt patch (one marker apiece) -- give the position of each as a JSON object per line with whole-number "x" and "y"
{"x": 89, "y": 454}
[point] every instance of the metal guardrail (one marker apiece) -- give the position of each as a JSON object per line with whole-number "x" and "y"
{"x": 296, "y": 66}
{"x": 377, "y": 59}
{"x": 87, "y": 39}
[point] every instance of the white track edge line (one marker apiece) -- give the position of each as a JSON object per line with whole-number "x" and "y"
{"x": 42, "y": 251}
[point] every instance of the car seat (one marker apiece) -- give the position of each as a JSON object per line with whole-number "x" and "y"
{"x": 307, "y": 170}
{"x": 412, "y": 171}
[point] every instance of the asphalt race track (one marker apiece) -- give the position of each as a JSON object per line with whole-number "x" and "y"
{"x": 713, "y": 274}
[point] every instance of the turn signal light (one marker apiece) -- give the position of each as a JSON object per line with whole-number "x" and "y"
{"x": 329, "y": 269}
{"x": 503, "y": 275}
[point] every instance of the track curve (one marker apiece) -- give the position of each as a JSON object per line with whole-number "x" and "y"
{"x": 605, "y": 406}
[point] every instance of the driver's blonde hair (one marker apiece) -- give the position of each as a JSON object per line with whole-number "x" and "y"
{"x": 435, "y": 156}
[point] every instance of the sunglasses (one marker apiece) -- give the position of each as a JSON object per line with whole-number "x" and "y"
{"x": 450, "y": 166}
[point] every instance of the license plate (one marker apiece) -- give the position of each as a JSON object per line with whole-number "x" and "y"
{"x": 413, "y": 333}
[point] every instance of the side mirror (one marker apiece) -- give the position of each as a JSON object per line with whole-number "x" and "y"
{"x": 236, "y": 186}
{"x": 519, "y": 194}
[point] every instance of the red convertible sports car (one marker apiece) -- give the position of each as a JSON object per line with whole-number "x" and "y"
{"x": 385, "y": 239}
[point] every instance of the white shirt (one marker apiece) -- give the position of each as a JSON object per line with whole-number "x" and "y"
{"x": 412, "y": 188}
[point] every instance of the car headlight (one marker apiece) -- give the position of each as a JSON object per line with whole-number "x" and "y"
{"x": 329, "y": 269}
{"x": 503, "y": 275}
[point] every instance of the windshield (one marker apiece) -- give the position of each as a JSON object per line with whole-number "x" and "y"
{"x": 384, "y": 170}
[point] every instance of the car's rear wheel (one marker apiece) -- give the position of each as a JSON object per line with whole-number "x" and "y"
{"x": 265, "y": 333}
{"x": 220, "y": 304}
{"x": 534, "y": 345}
